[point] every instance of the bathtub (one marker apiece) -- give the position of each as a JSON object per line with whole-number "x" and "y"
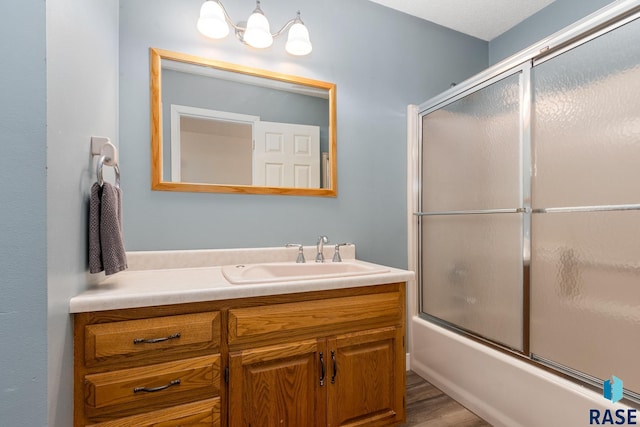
{"x": 500, "y": 388}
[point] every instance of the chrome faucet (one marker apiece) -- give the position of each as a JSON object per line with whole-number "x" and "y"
{"x": 300, "y": 258}
{"x": 320, "y": 246}
{"x": 336, "y": 254}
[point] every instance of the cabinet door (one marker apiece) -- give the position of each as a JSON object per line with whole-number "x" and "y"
{"x": 278, "y": 385}
{"x": 366, "y": 372}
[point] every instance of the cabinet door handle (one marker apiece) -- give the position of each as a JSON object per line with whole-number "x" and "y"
{"x": 322, "y": 369}
{"x": 154, "y": 389}
{"x": 155, "y": 340}
{"x": 335, "y": 367}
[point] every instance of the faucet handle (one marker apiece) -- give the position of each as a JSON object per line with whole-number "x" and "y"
{"x": 336, "y": 254}
{"x": 320, "y": 248}
{"x": 300, "y": 258}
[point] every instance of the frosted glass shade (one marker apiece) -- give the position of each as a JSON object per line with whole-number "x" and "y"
{"x": 298, "y": 42}
{"x": 212, "y": 22}
{"x": 258, "y": 33}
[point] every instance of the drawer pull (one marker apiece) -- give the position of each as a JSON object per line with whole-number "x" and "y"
{"x": 155, "y": 340}
{"x": 154, "y": 389}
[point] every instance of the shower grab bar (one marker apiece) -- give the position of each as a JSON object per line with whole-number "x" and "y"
{"x": 602, "y": 208}
{"x": 472, "y": 212}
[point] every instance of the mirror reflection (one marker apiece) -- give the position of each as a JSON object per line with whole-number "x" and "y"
{"x": 220, "y": 127}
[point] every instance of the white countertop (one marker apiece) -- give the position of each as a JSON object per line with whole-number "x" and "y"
{"x": 142, "y": 288}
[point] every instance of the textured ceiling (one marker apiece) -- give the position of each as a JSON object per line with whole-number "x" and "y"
{"x": 484, "y": 19}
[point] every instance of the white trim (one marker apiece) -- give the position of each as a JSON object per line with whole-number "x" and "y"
{"x": 178, "y": 111}
{"x": 413, "y": 190}
{"x": 413, "y": 200}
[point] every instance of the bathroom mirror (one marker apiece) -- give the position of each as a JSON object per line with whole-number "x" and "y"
{"x": 220, "y": 127}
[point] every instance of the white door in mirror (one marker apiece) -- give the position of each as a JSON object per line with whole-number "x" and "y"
{"x": 286, "y": 155}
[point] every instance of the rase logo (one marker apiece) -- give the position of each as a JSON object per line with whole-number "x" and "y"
{"x": 612, "y": 390}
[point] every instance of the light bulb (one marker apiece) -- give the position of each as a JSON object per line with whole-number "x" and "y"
{"x": 258, "y": 33}
{"x": 298, "y": 42}
{"x": 212, "y": 22}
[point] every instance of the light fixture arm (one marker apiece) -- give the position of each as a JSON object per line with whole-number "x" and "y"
{"x": 228, "y": 18}
{"x": 286, "y": 26}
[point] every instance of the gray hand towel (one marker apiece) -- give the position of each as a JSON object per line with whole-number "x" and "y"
{"x": 106, "y": 245}
{"x": 95, "y": 254}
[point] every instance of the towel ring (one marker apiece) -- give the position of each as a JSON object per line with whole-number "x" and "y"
{"x": 101, "y": 161}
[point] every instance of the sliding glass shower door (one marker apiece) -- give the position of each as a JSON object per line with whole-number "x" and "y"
{"x": 585, "y": 294}
{"x": 471, "y": 212}
{"x": 529, "y": 215}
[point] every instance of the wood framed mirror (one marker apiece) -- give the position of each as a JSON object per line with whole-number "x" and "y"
{"x": 226, "y": 128}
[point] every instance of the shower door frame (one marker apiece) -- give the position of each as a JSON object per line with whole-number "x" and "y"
{"x": 524, "y": 208}
{"x": 605, "y": 20}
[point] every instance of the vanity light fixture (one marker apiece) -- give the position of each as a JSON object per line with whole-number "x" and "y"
{"x": 214, "y": 23}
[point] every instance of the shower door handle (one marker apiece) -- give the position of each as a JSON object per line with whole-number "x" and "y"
{"x": 473, "y": 212}
{"x": 599, "y": 208}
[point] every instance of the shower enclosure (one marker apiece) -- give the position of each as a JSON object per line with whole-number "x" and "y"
{"x": 529, "y": 211}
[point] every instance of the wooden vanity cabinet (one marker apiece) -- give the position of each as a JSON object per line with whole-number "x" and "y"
{"x": 323, "y": 358}
{"x": 331, "y": 362}
{"x": 158, "y": 366}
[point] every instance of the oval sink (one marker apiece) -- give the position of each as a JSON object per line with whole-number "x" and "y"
{"x": 290, "y": 271}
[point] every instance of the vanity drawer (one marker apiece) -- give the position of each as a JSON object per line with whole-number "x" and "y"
{"x": 200, "y": 414}
{"x": 284, "y": 320}
{"x": 105, "y": 341}
{"x": 154, "y": 384}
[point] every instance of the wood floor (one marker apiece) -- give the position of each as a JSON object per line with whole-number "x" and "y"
{"x": 429, "y": 407}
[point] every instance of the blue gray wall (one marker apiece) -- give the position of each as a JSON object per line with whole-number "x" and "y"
{"x": 82, "y": 91}
{"x": 377, "y": 74}
{"x": 23, "y": 263}
{"x": 551, "y": 19}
